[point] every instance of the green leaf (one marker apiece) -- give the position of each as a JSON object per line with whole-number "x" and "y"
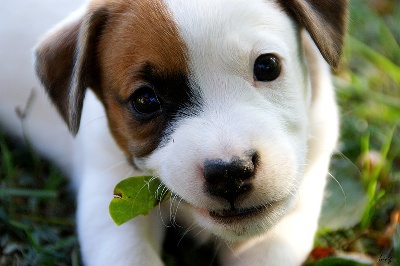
{"x": 136, "y": 196}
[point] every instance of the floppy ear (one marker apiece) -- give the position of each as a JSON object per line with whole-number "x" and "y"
{"x": 66, "y": 64}
{"x": 325, "y": 20}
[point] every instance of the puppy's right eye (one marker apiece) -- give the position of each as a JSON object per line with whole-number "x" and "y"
{"x": 267, "y": 67}
{"x": 144, "y": 102}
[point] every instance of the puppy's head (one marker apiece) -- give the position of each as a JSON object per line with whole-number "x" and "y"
{"x": 212, "y": 96}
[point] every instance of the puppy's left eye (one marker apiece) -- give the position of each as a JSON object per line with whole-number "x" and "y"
{"x": 144, "y": 101}
{"x": 267, "y": 67}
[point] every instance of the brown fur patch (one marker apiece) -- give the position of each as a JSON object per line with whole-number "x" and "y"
{"x": 137, "y": 34}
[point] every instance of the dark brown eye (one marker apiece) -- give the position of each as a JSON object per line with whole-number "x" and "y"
{"x": 267, "y": 67}
{"x": 144, "y": 101}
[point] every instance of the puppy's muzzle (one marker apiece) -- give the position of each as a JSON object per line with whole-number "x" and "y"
{"x": 230, "y": 180}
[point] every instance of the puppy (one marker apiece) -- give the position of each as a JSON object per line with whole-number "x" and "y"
{"x": 229, "y": 103}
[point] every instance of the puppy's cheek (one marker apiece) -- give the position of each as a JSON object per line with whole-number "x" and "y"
{"x": 180, "y": 171}
{"x": 135, "y": 138}
{"x": 178, "y": 162}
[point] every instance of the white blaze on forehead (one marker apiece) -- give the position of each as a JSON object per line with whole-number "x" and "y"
{"x": 228, "y": 35}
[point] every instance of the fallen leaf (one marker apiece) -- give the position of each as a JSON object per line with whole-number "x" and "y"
{"x": 321, "y": 252}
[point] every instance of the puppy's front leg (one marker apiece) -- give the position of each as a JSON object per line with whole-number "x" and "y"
{"x": 137, "y": 242}
{"x": 287, "y": 244}
{"x": 99, "y": 166}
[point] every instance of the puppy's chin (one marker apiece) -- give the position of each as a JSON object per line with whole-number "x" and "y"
{"x": 240, "y": 223}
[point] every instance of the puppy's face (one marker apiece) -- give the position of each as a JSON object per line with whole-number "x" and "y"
{"x": 210, "y": 96}
{"x": 235, "y": 149}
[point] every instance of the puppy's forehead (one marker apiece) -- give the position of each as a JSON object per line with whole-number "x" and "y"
{"x": 224, "y": 33}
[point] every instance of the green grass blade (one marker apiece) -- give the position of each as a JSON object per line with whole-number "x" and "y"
{"x": 20, "y": 192}
{"x": 380, "y": 61}
{"x": 6, "y": 159}
{"x": 371, "y": 178}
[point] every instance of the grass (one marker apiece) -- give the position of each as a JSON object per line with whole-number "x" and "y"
{"x": 36, "y": 219}
{"x": 37, "y": 209}
{"x": 368, "y": 90}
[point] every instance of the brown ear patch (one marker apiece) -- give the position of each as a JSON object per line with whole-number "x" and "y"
{"x": 325, "y": 20}
{"x": 55, "y": 63}
{"x": 66, "y": 64}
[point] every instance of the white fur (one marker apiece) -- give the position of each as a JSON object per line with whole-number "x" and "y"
{"x": 292, "y": 122}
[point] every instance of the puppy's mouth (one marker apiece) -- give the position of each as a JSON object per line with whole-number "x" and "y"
{"x": 234, "y": 214}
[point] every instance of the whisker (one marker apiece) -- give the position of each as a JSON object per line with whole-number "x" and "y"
{"x": 176, "y": 212}
{"x": 164, "y": 191}
{"x": 193, "y": 226}
{"x": 161, "y": 216}
{"x": 217, "y": 245}
{"x": 354, "y": 166}
{"x": 341, "y": 188}
{"x": 123, "y": 161}
{"x": 229, "y": 245}
{"x": 198, "y": 233}
{"x": 171, "y": 210}
{"x": 93, "y": 120}
{"x": 146, "y": 184}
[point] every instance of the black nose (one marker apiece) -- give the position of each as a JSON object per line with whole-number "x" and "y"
{"x": 229, "y": 180}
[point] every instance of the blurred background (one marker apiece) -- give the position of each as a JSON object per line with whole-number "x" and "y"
{"x": 360, "y": 223}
